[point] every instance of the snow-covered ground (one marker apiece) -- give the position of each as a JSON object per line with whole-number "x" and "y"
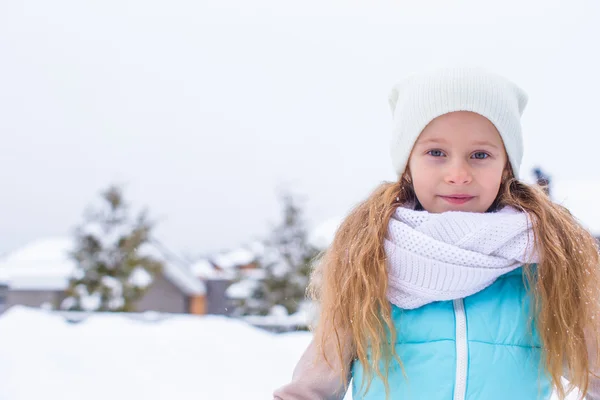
{"x": 116, "y": 357}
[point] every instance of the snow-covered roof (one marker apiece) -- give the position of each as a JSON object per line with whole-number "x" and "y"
{"x": 184, "y": 279}
{"x": 225, "y": 265}
{"x": 234, "y": 258}
{"x": 54, "y": 249}
{"x": 46, "y": 265}
{"x": 40, "y": 265}
{"x": 205, "y": 270}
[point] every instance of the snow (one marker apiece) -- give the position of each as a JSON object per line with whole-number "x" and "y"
{"x": 42, "y": 264}
{"x": 186, "y": 357}
{"x": 247, "y": 284}
{"x": 205, "y": 270}
{"x": 33, "y": 280}
{"x": 255, "y": 273}
{"x": 90, "y": 302}
{"x": 184, "y": 279}
{"x": 108, "y": 236}
{"x": 279, "y": 317}
{"x": 202, "y": 269}
{"x": 54, "y": 248}
{"x": 226, "y": 265}
{"x": 140, "y": 278}
{"x": 234, "y": 258}
{"x": 113, "y": 356}
{"x": 242, "y": 289}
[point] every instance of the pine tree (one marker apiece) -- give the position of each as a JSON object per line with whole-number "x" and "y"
{"x": 286, "y": 262}
{"x": 113, "y": 266}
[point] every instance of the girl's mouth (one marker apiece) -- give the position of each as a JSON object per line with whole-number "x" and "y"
{"x": 458, "y": 198}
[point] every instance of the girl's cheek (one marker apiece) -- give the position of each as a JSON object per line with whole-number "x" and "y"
{"x": 435, "y": 162}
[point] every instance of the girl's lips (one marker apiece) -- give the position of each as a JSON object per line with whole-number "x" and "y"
{"x": 459, "y": 199}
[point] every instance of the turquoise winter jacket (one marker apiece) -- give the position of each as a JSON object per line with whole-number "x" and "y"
{"x": 480, "y": 348}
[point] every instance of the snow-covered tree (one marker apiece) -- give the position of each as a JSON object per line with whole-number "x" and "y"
{"x": 113, "y": 267}
{"x": 286, "y": 263}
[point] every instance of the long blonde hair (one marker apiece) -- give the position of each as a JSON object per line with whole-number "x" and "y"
{"x": 350, "y": 282}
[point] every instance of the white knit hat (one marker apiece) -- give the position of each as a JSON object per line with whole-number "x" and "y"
{"x": 419, "y": 99}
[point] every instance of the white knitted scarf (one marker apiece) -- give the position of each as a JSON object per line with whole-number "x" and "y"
{"x": 451, "y": 255}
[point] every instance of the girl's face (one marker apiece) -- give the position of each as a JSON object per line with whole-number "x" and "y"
{"x": 457, "y": 163}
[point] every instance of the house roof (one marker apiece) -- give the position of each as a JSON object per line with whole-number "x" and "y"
{"x": 46, "y": 265}
{"x": 225, "y": 265}
{"x": 181, "y": 277}
{"x": 40, "y": 265}
{"x": 205, "y": 269}
{"x": 234, "y": 258}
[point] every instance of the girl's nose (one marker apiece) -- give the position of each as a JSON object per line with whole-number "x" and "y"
{"x": 458, "y": 174}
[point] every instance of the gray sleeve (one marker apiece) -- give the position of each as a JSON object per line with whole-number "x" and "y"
{"x": 594, "y": 383}
{"x": 593, "y": 389}
{"x": 314, "y": 379}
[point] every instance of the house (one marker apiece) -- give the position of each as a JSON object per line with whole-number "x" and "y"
{"x": 219, "y": 274}
{"x": 38, "y": 274}
{"x": 216, "y": 283}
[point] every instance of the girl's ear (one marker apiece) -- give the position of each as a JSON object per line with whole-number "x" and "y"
{"x": 508, "y": 172}
{"x": 406, "y": 176}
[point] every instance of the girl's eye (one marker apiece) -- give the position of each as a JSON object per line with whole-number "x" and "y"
{"x": 435, "y": 153}
{"x": 480, "y": 155}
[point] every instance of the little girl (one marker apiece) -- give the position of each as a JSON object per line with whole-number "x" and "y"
{"x": 458, "y": 281}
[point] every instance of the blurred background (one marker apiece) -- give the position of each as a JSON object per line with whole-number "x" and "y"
{"x": 169, "y": 169}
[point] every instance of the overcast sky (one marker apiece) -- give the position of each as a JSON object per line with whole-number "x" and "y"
{"x": 203, "y": 108}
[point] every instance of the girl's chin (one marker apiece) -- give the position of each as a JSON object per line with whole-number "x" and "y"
{"x": 443, "y": 206}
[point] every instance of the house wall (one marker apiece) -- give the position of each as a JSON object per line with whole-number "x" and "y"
{"x": 216, "y": 300}
{"x": 198, "y": 305}
{"x": 163, "y": 296}
{"x": 32, "y": 298}
{"x": 3, "y": 297}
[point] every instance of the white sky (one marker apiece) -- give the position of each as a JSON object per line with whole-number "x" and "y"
{"x": 204, "y": 108}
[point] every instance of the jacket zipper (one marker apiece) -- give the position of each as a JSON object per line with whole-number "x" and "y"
{"x": 462, "y": 350}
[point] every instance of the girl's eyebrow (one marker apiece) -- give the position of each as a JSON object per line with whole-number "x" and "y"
{"x": 485, "y": 143}
{"x": 433, "y": 140}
